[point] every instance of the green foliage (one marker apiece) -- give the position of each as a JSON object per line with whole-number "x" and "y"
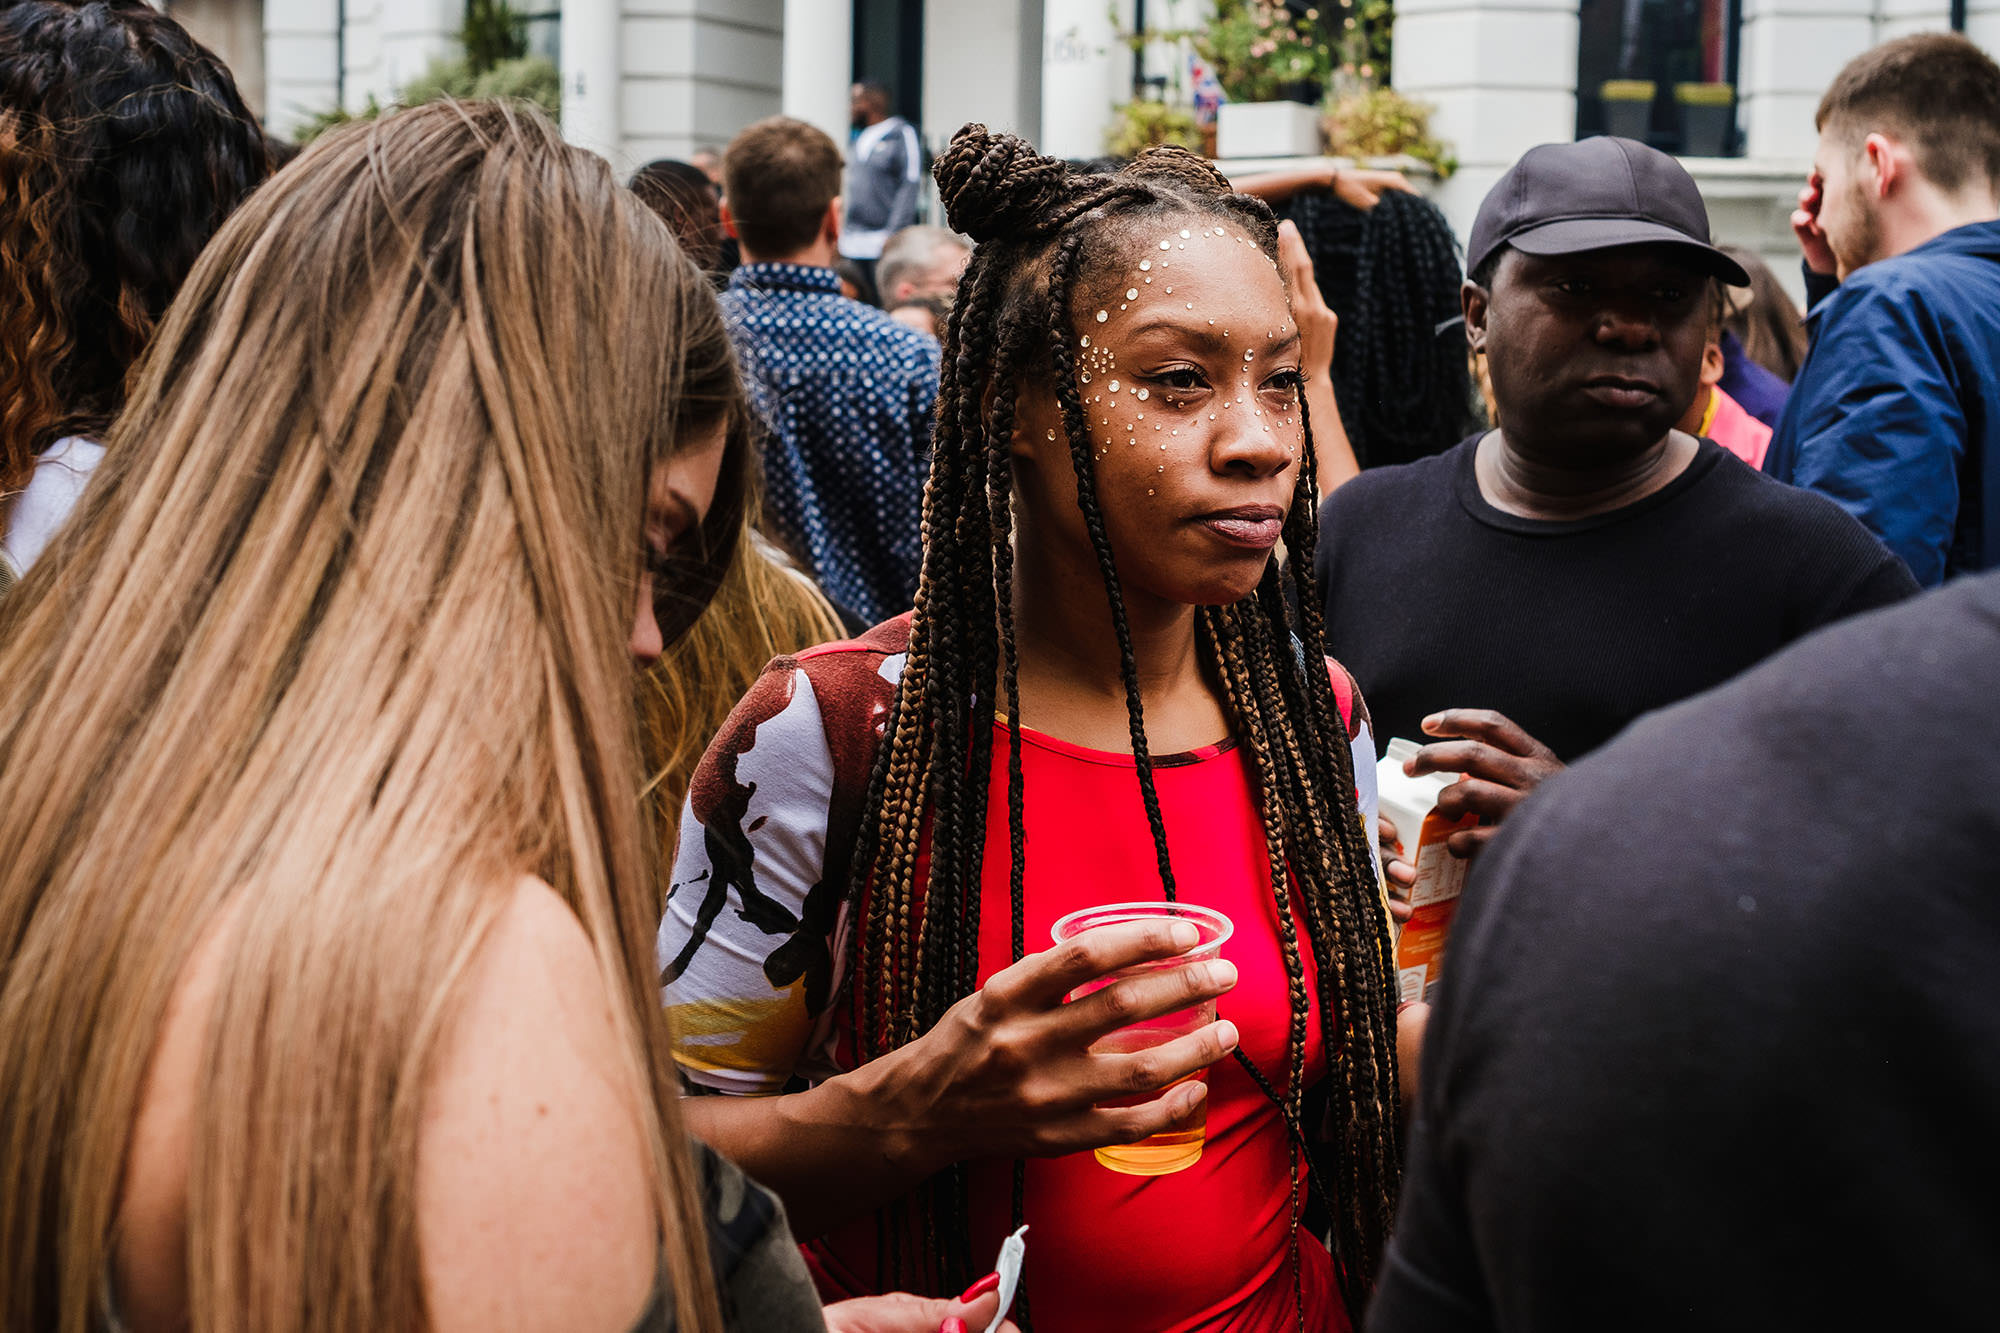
{"x": 1263, "y": 52}
{"x": 322, "y": 121}
{"x": 526, "y": 78}
{"x": 1147, "y": 124}
{"x": 1381, "y": 122}
{"x": 492, "y": 35}
{"x": 496, "y": 64}
{"x": 1365, "y": 43}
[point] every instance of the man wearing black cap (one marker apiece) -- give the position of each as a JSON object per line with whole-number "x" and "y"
{"x": 1525, "y": 595}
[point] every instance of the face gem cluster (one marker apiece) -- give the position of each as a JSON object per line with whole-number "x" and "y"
{"x": 1104, "y": 395}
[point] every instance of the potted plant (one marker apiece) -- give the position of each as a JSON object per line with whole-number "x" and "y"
{"x": 1708, "y": 117}
{"x": 1143, "y": 124}
{"x": 1628, "y": 106}
{"x": 1374, "y": 123}
{"x": 1273, "y": 66}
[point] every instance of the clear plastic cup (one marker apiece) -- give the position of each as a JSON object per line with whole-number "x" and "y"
{"x": 1175, "y": 1150}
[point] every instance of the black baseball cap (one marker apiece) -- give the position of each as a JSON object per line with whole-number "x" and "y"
{"x": 1568, "y": 198}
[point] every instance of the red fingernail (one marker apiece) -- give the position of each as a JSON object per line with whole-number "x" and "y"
{"x": 991, "y": 1282}
{"x": 952, "y": 1324}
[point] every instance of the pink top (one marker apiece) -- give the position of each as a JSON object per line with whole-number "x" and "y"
{"x": 1736, "y": 430}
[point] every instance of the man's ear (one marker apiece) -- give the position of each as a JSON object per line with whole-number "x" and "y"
{"x": 1473, "y": 300}
{"x": 1711, "y": 365}
{"x": 729, "y": 222}
{"x": 1887, "y": 159}
{"x": 829, "y": 227}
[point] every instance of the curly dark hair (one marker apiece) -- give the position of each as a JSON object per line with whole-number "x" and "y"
{"x": 1047, "y": 238}
{"x": 123, "y": 146}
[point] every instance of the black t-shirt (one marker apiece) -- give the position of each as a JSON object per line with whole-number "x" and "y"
{"x": 1435, "y": 599}
{"x": 1718, "y": 1043}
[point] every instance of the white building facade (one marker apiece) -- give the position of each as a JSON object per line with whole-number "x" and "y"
{"x": 653, "y": 78}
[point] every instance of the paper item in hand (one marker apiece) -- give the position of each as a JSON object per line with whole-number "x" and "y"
{"x": 1013, "y": 1254}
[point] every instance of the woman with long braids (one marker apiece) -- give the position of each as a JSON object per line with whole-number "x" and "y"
{"x": 1100, "y": 696}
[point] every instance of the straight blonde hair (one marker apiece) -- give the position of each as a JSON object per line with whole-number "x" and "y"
{"x": 337, "y": 646}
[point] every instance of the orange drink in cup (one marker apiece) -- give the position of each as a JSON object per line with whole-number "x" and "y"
{"x": 1176, "y": 1150}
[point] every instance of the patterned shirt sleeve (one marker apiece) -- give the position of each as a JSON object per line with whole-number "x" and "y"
{"x": 746, "y": 948}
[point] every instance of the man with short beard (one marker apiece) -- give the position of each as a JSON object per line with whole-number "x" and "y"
{"x": 1896, "y": 412}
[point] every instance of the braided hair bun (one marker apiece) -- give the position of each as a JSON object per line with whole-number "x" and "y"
{"x": 996, "y": 186}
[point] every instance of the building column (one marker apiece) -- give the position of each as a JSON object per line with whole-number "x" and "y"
{"x": 1086, "y": 70}
{"x": 1791, "y": 51}
{"x": 1502, "y": 77}
{"x": 694, "y": 72}
{"x": 590, "y": 76}
{"x": 819, "y": 64}
{"x": 982, "y": 62}
{"x": 301, "y": 62}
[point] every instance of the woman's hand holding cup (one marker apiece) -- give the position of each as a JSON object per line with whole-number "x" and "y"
{"x": 1009, "y": 1070}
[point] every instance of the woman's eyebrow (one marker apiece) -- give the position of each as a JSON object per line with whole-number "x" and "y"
{"x": 1205, "y": 334}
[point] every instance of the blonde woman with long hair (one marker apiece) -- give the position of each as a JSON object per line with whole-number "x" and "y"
{"x": 326, "y": 918}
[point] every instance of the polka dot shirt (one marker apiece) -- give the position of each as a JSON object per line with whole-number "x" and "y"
{"x": 847, "y": 393}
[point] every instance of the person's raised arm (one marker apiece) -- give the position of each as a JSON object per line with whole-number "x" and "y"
{"x": 1318, "y": 326}
{"x": 1355, "y": 186}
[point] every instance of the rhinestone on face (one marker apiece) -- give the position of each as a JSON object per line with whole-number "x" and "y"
{"x": 1184, "y": 233}
{"x": 1052, "y": 434}
{"x": 1163, "y": 245}
{"x": 1103, "y": 315}
{"x": 1131, "y": 293}
{"x": 1145, "y": 265}
{"x": 1142, "y": 395}
{"x": 1086, "y": 340}
{"x": 1113, "y": 386}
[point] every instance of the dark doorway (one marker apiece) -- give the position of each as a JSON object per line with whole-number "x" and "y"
{"x": 889, "y": 50}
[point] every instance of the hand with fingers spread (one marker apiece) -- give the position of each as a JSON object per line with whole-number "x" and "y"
{"x": 1501, "y": 764}
{"x": 1009, "y": 1072}
{"x": 1818, "y": 251}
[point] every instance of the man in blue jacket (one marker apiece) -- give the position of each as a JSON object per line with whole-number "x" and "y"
{"x": 1896, "y": 412}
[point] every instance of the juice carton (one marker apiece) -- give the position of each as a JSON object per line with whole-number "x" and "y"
{"x": 1410, "y": 804}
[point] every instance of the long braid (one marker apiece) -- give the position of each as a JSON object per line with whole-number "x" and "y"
{"x": 1392, "y": 274}
{"x": 914, "y": 950}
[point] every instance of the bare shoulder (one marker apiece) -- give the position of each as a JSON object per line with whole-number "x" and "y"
{"x": 534, "y": 1206}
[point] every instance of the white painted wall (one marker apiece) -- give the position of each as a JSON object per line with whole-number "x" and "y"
{"x": 1086, "y": 70}
{"x": 301, "y": 61}
{"x": 983, "y": 62}
{"x": 1502, "y": 77}
{"x": 694, "y": 72}
{"x": 819, "y": 64}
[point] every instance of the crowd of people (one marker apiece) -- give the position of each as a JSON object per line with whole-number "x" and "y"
{"x": 548, "y": 751}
